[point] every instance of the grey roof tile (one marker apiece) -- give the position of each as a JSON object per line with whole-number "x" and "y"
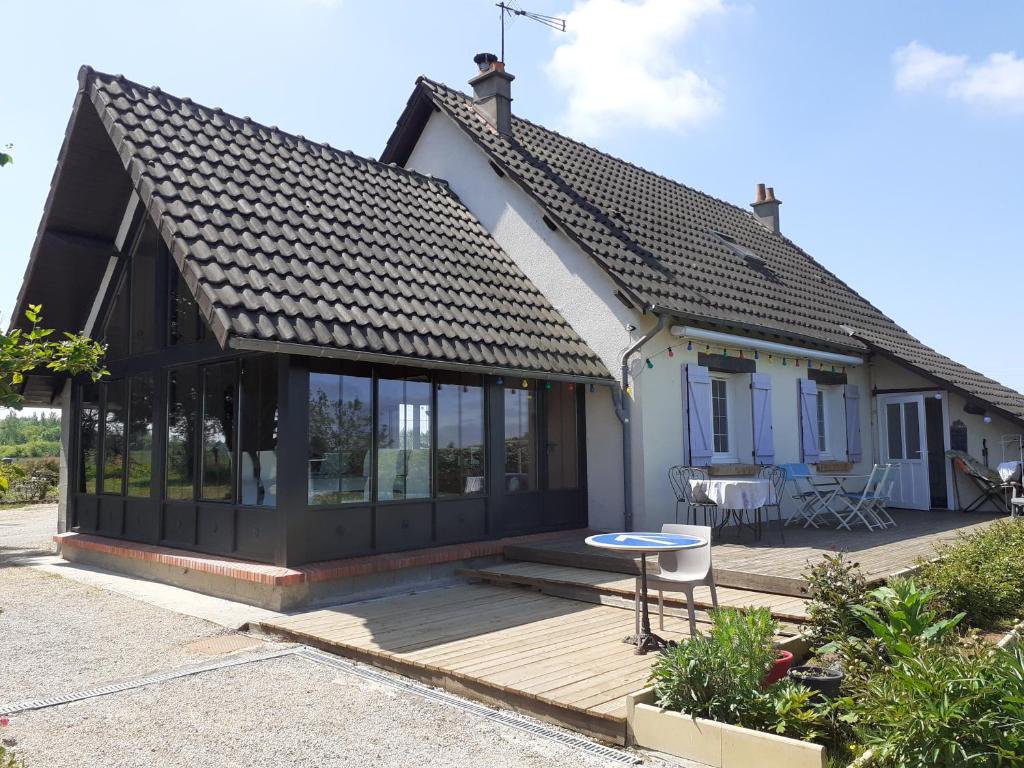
{"x": 287, "y": 240}
{"x": 655, "y": 238}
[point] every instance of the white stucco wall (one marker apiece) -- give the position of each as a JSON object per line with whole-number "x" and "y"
{"x": 660, "y": 393}
{"x": 579, "y": 289}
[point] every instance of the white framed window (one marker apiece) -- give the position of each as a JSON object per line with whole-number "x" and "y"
{"x": 722, "y": 420}
{"x": 823, "y": 441}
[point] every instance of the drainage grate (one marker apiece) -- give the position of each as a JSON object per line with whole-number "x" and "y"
{"x": 128, "y": 685}
{"x": 508, "y": 719}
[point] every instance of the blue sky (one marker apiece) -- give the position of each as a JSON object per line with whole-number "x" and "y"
{"x": 891, "y": 131}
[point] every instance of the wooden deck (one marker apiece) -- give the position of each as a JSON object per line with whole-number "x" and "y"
{"x": 561, "y": 660}
{"x": 591, "y": 585}
{"x": 773, "y": 567}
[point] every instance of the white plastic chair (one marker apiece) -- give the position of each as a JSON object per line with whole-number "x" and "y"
{"x": 880, "y": 504}
{"x": 683, "y": 570}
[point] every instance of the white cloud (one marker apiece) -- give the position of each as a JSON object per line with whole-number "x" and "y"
{"x": 618, "y": 64}
{"x": 996, "y": 83}
{"x": 919, "y": 68}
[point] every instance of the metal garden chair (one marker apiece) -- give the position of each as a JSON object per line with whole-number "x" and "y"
{"x": 776, "y": 477}
{"x": 860, "y": 505}
{"x": 679, "y": 477}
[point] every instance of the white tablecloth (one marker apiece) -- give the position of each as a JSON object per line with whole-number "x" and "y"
{"x": 732, "y": 494}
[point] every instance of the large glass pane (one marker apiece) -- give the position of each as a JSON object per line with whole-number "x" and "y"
{"x": 562, "y": 450}
{"x": 912, "y": 428}
{"x": 184, "y": 324}
{"x": 340, "y": 434}
{"x": 403, "y": 438}
{"x": 182, "y": 413}
{"x": 218, "y": 479}
{"x": 140, "y": 435}
{"x": 460, "y": 435}
{"x": 520, "y": 438}
{"x": 258, "y": 454}
{"x": 894, "y": 430}
{"x": 822, "y": 426}
{"x": 115, "y": 330}
{"x": 113, "y": 437}
{"x": 89, "y": 439}
{"x": 143, "y": 279}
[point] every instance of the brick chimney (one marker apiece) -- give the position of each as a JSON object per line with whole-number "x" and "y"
{"x": 766, "y": 208}
{"x": 492, "y": 92}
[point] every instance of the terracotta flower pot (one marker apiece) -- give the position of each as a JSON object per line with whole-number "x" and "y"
{"x": 778, "y": 669}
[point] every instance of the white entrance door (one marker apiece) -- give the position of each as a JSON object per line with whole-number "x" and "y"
{"x": 904, "y": 445}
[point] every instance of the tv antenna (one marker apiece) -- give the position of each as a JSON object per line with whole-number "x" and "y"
{"x": 511, "y": 12}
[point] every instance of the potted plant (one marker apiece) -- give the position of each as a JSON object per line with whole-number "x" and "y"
{"x": 825, "y": 681}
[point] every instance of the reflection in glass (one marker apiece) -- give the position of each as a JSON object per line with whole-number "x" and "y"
{"x": 184, "y": 323}
{"x": 460, "y": 435}
{"x": 113, "y": 437}
{"x": 403, "y": 438}
{"x": 912, "y": 428}
{"x": 340, "y": 431}
{"x": 258, "y": 455}
{"x": 144, "y": 261}
{"x": 218, "y": 481}
{"x": 182, "y": 413}
{"x": 115, "y": 331}
{"x": 520, "y": 439}
{"x": 560, "y": 408}
{"x": 89, "y": 438}
{"x": 140, "y": 435}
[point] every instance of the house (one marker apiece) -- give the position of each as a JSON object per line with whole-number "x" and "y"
{"x": 492, "y": 331}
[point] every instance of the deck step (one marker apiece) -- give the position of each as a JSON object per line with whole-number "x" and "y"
{"x": 610, "y": 588}
{"x": 574, "y": 553}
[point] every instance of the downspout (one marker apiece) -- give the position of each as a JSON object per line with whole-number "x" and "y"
{"x": 622, "y": 409}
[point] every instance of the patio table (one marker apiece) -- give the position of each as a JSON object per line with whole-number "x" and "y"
{"x": 733, "y": 496}
{"x": 644, "y": 543}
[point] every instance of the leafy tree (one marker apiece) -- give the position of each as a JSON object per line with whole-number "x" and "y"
{"x": 5, "y": 159}
{"x": 24, "y": 351}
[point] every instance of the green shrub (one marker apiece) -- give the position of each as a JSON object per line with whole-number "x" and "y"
{"x": 715, "y": 676}
{"x": 902, "y": 615}
{"x": 7, "y": 760}
{"x": 837, "y": 586}
{"x": 944, "y": 706}
{"x": 718, "y": 677}
{"x": 981, "y": 575}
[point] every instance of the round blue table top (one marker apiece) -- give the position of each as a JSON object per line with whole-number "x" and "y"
{"x": 645, "y": 542}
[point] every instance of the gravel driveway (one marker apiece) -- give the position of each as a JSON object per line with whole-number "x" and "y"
{"x": 26, "y": 531}
{"x": 282, "y": 712}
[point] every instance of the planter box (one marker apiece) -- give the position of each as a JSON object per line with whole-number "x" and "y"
{"x": 713, "y": 743}
{"x": 733, "y": 470}
{"x": 834, "y": 467}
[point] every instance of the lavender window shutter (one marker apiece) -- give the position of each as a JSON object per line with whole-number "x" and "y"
{"x": 761, "y": 407}
{"x": 698, "y": 414}
{"x": 808, "y": 395}
{"x": 851, "y": 393}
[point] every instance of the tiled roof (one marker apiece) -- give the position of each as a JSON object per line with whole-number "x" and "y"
{"x": 286, "y": 240}
{"x": 656, "y": 239}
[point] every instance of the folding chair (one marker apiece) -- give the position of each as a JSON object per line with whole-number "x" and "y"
{"x": 884, "y": 496}
{"x": 811, "y": 501}
{"x": 985, "y": 480}
{"x": 860, "y": 504}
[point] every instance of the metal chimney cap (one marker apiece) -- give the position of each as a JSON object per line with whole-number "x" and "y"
{"x": 484, "y": 61}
